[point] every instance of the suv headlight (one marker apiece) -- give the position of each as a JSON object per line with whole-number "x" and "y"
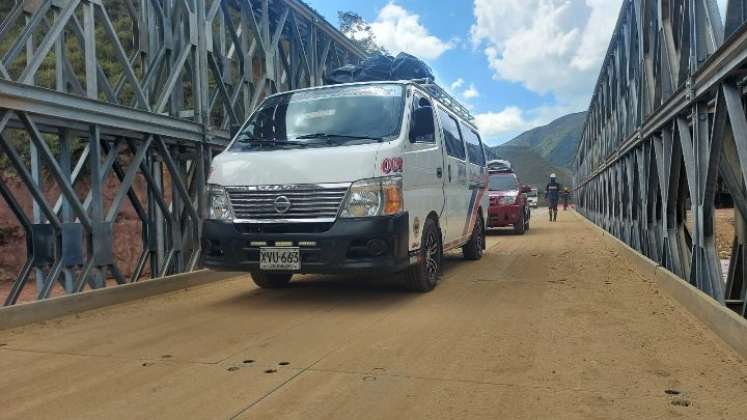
{"x": 219, "y": 204}
{"x": 374, "y": 197}
{"x": 508, "y": 199}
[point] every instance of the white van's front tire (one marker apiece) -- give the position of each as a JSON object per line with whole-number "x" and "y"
{"x": 423, "y": 276}
{"x": 271, "y": 280}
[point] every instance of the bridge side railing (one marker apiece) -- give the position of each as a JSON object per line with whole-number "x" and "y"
{"x": 110, "y": 112}
{"x": 666, "y": 132}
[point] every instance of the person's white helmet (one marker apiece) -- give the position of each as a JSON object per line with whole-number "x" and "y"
{"x": 552, "y": 175}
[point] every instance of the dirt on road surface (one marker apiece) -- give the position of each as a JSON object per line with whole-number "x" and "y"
{"x": 553, "y": 324}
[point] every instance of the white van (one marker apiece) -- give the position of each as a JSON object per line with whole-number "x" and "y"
{"x": 377, "y": 177}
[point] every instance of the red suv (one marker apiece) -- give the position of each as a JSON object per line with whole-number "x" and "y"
{"x": 508, "y": 198}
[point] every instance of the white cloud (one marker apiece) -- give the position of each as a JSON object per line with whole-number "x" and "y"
{"x": 498, "y": 127}
{"x": 499, "y": 124}
{"x": 722, "y": 8}
{"x": 398, "y": 30}
{"x": 457, "y": 88}
{"x": 471, "y": 92}
{"x": 549, "y": 46}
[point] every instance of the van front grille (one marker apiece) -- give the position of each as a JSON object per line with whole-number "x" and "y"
{"x": 282, "y": 203}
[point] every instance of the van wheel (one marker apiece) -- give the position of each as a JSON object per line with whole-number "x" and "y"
{"x": 521, "y": 226}
{"x": 271, "y": 280}
{"x": 423, "y": 276}
{"x": 472, "y": 250}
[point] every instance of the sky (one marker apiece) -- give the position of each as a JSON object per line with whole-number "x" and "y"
{"x": 516, "y": 64}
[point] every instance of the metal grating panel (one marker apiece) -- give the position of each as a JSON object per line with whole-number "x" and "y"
{"x": 281, "y": 203}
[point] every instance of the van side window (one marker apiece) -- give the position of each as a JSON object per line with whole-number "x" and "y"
{"x": 452, "y": 137}
{"x": 422, "y": 131}
{"x": 474, "y": 146}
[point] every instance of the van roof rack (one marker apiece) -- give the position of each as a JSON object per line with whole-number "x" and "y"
{"x": 438, "y": 92}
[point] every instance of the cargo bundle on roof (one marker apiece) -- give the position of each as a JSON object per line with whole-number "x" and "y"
{"x": 381, "y": 67}
{"x": 499, "y": 165}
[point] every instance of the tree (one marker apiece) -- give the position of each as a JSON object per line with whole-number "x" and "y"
{"x": 360, "y": 32}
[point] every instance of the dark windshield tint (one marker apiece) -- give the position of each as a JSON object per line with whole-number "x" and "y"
{"x": 503, "y": 182}
{"x": 338, "y": 115}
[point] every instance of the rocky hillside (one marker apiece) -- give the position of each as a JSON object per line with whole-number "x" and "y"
{"x": 531, "y": 168}
{"x": 556, "y": 142}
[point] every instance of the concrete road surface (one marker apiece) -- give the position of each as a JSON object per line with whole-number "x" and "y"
{"x": 549, "y": 325}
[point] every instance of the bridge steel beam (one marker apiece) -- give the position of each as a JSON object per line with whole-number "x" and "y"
{"x": 107, "y": 105}
{"x": 668, "y": 113}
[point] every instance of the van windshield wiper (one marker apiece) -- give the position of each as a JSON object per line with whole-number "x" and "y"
{"x": 337, "y": 136}
{"x": 249, "y": 141}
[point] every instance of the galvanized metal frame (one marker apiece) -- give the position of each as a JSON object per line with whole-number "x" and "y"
{"x": 192, "y": 72}
{"x": 665, "y": 124}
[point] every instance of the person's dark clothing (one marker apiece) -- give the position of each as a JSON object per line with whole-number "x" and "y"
{"x": 552, "y": 194}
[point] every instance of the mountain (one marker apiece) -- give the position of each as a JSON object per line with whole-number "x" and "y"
{"x": 557, "y": 141}
{"x": 531, "y": 168}
{"x": 538, "y": 152}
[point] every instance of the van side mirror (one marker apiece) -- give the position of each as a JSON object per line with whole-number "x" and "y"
{"x": 422, "y": 128}
{"x": 525, "y": 189}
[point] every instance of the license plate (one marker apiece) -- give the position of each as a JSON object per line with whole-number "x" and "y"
{"x": 286, "y": 259}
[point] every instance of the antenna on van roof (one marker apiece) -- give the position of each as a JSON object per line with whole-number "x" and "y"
{"x": 440, "y": 94}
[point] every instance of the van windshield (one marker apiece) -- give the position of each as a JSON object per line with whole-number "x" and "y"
{"x": 325, "y": 117}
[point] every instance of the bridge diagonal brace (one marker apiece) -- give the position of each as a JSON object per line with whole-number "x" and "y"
{"x": 126, "y": 182}
{"x": 54, "y": 166}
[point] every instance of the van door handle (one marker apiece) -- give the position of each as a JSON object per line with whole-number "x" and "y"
{"x": 449, "y": 172}
{"x": 439, "y": 172}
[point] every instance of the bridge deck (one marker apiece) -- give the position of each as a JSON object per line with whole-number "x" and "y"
{"x": 553, "y": 324}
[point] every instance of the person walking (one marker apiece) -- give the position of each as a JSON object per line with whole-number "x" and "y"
{"x": 566, "y": 196}
{"x": 552, "y": 195}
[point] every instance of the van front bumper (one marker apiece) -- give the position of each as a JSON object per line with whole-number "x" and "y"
{"x": 341, "y": 248}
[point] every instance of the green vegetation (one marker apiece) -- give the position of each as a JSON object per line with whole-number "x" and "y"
{"x": 359, "y": 31}
{"x": 46, "y": 75}
{"x": 538, "y": 152}
{"x": 531, "y": 168}
{"x": 555, "y": 142}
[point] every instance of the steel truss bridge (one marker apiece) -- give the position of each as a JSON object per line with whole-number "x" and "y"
{"x": 665, "y": 132}
{"x": 95, "y": 93}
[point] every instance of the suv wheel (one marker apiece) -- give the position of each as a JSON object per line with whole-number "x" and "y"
{"x": 472, "y": 250}
{"x": 271, "y": 280}
{"x": 423, "y": 276}
{"x": 521, "y": 226}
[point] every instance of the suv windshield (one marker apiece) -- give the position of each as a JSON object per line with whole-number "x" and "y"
{"x": 325, "y": 117}
{"x": 503, "y": 182}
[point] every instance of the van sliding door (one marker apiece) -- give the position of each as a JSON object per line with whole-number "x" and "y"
{"x": 424, "y": 175}
{"x": 455, "y": 181}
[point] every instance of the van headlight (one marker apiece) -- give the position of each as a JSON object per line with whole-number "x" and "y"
{"x": 374, "y": 197}
{"x": 219, "y": 204}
